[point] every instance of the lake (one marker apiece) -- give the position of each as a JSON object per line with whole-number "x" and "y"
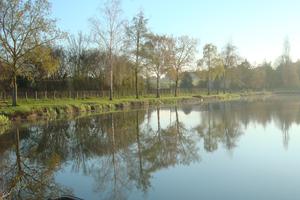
{"x": 227, "y": 150}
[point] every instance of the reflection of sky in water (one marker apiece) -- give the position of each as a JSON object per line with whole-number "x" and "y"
{"x": 261, "y": 167}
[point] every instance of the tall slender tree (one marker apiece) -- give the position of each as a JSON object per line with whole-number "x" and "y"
{"x": 108, "y": 34}
{"x": 289, "y": 75}
{"x": 230, "y": 58}
{"x": 209, "y": 56}
{"x": 136, "y": 32}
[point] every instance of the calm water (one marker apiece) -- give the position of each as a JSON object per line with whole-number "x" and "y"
{"x": 233, "y": 150}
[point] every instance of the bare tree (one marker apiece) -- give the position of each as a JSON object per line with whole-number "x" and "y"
{"x": 285, "y": 57}
{"x": 182, "y": 54}
{"x": 63, "y": 70}
{"x": 209, "y": 56}
{"x": 157, "y": 52}
{"x": 289, "y": 75}
{"x": 25, "y": 25}
{"x": 230, "y": 59}
{"x": 108, "y": 32}
{"x": 77, "y": 47}
{"x": 136, "y": 32}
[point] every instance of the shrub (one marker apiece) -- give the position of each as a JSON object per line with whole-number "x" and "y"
{"x": 4, "y": 120}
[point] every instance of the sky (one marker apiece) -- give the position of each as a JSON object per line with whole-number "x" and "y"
{"x": 257, "y": 27}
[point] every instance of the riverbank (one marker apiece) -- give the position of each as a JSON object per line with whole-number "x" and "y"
{"x": 31, "y": 110}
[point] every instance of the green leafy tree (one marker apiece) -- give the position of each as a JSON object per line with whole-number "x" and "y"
{"x": 25, "y": 26}
{"x": 40, "y": 63}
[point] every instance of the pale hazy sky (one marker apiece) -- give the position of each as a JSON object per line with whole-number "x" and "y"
{"x": 257, "y": 27}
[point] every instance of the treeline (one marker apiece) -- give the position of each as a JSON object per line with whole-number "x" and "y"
{"x": 120, "y": 54}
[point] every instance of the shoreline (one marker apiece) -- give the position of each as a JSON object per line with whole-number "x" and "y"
{"x": 52, "y": 109}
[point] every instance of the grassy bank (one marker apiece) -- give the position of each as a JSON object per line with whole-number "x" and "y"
{"x": 52, "y": 108}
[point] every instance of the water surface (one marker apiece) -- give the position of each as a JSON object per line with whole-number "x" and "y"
{"x": 229, "y": 150}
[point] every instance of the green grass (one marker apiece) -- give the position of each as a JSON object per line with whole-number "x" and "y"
{"x": 59, "y": 106}
{"x": 31, "y": 108}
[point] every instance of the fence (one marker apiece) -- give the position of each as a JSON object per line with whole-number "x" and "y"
{"x": 94, "y": 93}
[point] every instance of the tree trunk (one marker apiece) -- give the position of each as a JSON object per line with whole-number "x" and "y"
{"x": 224, "y": 82}
{"x": 137, "y": 65}
{"x": 15, "y": 91}
{"x": 111, "y": 81}
{"x": 208, "y": 82}
{"x": 176, "y": 86}
{"x": 136, "y": 84}
{"x": 208, "y": 87}
{"x": 158, "y": 87}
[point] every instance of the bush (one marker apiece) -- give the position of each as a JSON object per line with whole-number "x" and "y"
{"x": 4, "y": 120}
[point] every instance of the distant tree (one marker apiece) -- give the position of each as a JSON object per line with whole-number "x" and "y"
{"x": 217, "y": 71}
{"x": 285, "y": 57}
{"x": 240, "y": 76}
{"x": 95, "y": 63}
{"x": 271, "y": 78}
{"x": 182, "y": 54}
{"x": 210, "y": 56}
{"x": 77, "y": 48}
{"x": 123, "y": 79}
{"x": 257, "y": 78}
{"x": 187, "y": 80}
{"x": 288, "y": 71}
{"x": 157, "y": 53}
{"x": 230, "y": 58}
{"x": 136, "y": 33}
{"x": 63, "y": 70}
{"x": 25, "y": 25}
{"x": 108, "y": 32}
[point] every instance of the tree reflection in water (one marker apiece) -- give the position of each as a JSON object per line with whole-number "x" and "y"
{"x": 122, "y": 151}
{"x": 24, "y": 176}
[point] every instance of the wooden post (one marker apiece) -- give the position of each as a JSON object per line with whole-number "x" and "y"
{"x": 70, "y": 94}
{"x": 76, "y": 94}
{"x": 36, "y": 95}
{"x": 26, "y": 96}
{"x": 54, "y": 93}
{"x": 45, "y": 94}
